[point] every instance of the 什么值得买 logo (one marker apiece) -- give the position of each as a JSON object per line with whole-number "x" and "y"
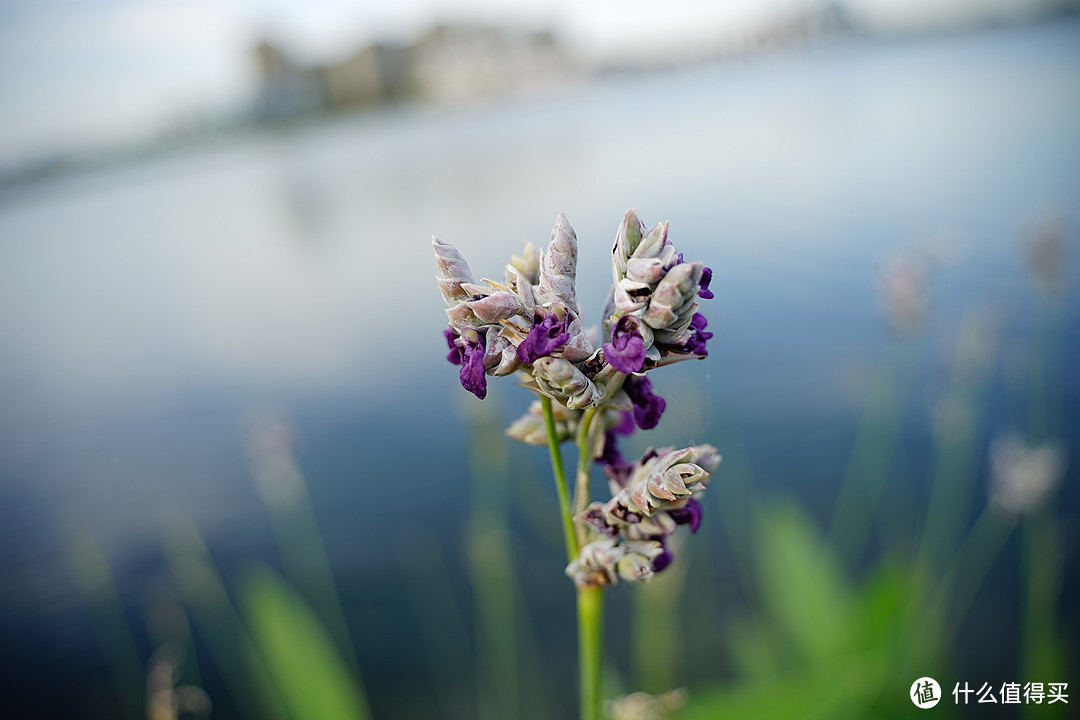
{"x": 925, "y": 693}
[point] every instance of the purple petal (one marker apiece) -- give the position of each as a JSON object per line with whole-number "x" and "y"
{"x": 662, "y": 560}
{"x": 611, "y": 459}
{"x": 454, "y": 355}
{"x": 626, "y": 425}
{"x": 706, "y": 278}
{"x": 628, "y": 356}
{"x": 626, "y": 351}
{"x": 611, "y": 454}
{"x": 545, "y": 337}
{"x": 688, "y": 514}
{"x": 472, "y": 374}
{"x": 698, "y": 336}
{"x": 648, "y": 407}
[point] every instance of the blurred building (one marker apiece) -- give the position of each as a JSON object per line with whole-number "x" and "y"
{"x": 373, "y": 74}
{"x": 286, "y": 88}
{"x": 448, "y": 63}
{"x": 832, "y": 18}
{"x": 454, "y": 63}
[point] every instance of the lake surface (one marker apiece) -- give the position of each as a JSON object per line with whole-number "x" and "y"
{"x": 152, "y": 315}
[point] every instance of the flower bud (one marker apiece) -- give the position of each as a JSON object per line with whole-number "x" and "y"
{"x": 560, "y": 380}
{"x": 559, "y": 267}
{"x": 706, "y": 457}
{"x": 640, "y": 706}
{"x": 496, "y": 307}
{"x": 627, "y": 239}
{"x": 461, "y": 315}
{"x": 595, "y": 563}
{"x": 662, "y": 481}
{"x": 631, "y": 295}
{"x": 645, "y": 548}
{"x": 653, "y": 244}
{"x": 500, "y": 356}
{"x": 673, "y": 295}
{"x": 680, "y": 331}
{"x": 453, "y": 271}
{"x": 528, "y": 263}
{"x": 646, "y": 270}
{"x": 659, "y": 525}
{"x": 633, "y": 567}
{"x": 578, "y": 347}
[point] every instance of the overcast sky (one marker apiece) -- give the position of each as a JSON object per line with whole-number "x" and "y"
{"x": 74, "y": 72}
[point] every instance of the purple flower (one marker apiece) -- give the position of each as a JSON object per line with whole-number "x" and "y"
{"x": 472, "y": 374}
{"x": 611, "y": 456}
{"x": 706, "y": 277}
{"x": 648, "y": 407}
{"x": 545, "y": 337}
{"x": 454, "y": 356}
{"x": 662, "y": 560}
{"x": 688, "y": 514}
{"x": 698, "y": 335}
{"x": 626, "y": 351}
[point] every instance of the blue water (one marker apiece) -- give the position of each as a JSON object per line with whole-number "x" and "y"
{"x": 151, "y": 312}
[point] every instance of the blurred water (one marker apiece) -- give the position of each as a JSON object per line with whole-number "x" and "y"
{"x": 149, "y": 312}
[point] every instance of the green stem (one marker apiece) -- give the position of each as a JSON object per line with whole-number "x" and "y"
{"x": 975, "y": 558}
{"x": 590, "y": 648}
{"x": 581, "y": 490}
{"x": 560, "y": 480}
{"x": 590, "y": 599}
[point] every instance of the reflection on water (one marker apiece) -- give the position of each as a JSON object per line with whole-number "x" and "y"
{"x": 149, "y": 313}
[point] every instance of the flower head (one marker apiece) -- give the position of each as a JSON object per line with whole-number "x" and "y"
{"x": 530, "y": 323}
{"x": 904, "y": 291}
{"x": 1022, "y": 476}
{"x": 644, "y": 510}
{"x": 640, "y": 706}
{"x": 1045, "y": 248}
